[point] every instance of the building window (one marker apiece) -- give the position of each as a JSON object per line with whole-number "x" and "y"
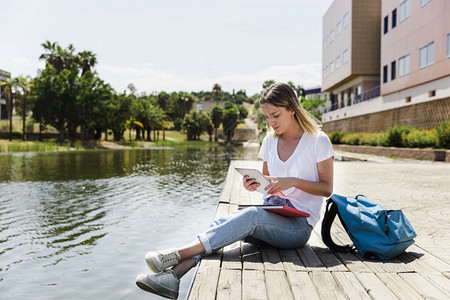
{"x": 426, "y": 55}
{"x": 338, "y": 62}
{"x": 331, "y": 67}
{"x": 448, "y": 45}
{"x": 346, "y": 20}
{"x": 331, "y": 36}
{"x": 385, "y": 72}
{"x": 408, "y": 99}
{"x": 386, "y": 24}
{"x": 405, "y": 10}
{"x": 338, "y": 29}
{"x": 394, "y": 18}
{"x": 393, "y": 68}
{"x": 345, "y": 57}
{"x": 403, "y": 66}
{"x": 424, "y": 2}
{"x": 432, "y": 93}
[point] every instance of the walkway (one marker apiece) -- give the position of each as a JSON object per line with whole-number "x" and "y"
{"x": 421, "y": 190}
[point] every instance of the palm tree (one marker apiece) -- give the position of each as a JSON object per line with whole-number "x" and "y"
{"x": 24, "y": 83}
{"x": 86, "y": 60}
{"x": 9, "y": 85}
{"x": 58, "y": 57}
{"x": 217, "y": 89}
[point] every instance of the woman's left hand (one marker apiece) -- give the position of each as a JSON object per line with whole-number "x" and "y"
{"x": 279, "y": 184}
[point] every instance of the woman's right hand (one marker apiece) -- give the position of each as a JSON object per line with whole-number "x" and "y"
{"x": 250, "y": 184}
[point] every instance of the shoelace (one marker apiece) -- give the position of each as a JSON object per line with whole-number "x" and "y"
{"x": 169, "y": 257}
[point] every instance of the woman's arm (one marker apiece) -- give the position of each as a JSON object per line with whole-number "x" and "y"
{"x": 323, "y": 187}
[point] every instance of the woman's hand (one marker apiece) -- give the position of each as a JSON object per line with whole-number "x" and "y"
{"x": 250, "y": 184}
{"x": 279, "y": 184}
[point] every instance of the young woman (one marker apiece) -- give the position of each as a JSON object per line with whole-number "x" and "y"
{"x": 298, "y": 158}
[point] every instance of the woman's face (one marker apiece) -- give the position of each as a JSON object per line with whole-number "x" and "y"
{"x": 279, "y": 118}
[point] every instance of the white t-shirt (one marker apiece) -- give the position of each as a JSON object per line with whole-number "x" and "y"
{"x": 310, "y": 150}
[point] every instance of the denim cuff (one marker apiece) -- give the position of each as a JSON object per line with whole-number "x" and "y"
{"x": 205, "y": 241}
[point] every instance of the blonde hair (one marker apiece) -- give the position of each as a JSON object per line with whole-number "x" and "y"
{"x": 282, "y": 95}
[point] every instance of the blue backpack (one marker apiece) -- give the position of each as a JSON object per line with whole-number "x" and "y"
{"x": 377, "y": 233}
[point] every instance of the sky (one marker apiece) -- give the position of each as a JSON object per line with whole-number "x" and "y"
{"x": 172, "y": 45}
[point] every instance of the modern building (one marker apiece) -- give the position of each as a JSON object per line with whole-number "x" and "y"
{"x": 391, "y": 66}
{"x": 4, "y": 76}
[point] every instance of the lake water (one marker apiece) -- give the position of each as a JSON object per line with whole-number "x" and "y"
{"x": 76, "y": 225}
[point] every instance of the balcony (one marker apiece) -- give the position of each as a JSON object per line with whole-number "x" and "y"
{"x": 366, "y": 95}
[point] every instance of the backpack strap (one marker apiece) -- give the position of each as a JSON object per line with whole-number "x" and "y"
{"x": 330, "y": 214}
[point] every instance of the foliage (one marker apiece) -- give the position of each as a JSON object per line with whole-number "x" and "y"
{"x": 396, "y": 135}
{"x": 229, "y": 122}
{"x": 443, "y": 135}
{"x": 402, "y": 135}
{"x": 420, "y": 139}
{"x": 336, "y": 136}
{"x": 352, "y": 139}
{"x": 216, "y": 115}
{"x": 195, "y": 124}
{"x": 313, "y": 105}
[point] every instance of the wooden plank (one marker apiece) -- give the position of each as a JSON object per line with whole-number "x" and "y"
{"x": 230, "y": 285}
{"x": 375, "y": 287}
{"x": 277, "y": 285}
{"x": 429, "y": 259}
{"x": 291, "y": 260}
{"x": 231, "y": 258}
{"x": 302, "y": 286}
{"x": 441, "y": 281}
{"x": 326, "y": 286}
{"x": 222, "y": 210}
{"x": 416, "y": 263}
{"x": 206, "y": 279}
{"x": 328, "y": 258}
{"x": 310, "y": 260}
{"x": 226, "y": 192}
{"x": 253, "y": 285}
{"x": 423, "y": 286}
{"x": 271, "y": 258}
{"x": 251, "y": 257}
{"x": 350, "y": 285}
{"x": 398, "y": 286}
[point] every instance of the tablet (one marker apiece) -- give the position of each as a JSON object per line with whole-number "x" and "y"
{"x": 259, "y": 177}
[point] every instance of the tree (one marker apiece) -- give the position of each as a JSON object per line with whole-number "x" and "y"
{"x": 217, "y": 90}
{"x": 195, "y": 124}
{"x": 229, "y": 122}
{"x": 312, "y": 106}
{"x": 297, "y": 88}
{"x": 216, "y": 115}
{"x": 23, "y": 85}
{"x": 268, "y": 83}
{"x": 9, "y": 86}
{"x": 87, "y": 60}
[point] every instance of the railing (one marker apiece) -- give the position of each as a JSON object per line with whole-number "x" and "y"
{"x": 366, "y": 95}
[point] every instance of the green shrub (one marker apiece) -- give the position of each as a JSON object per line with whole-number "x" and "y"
{"x": 373, "y": 139}
{"x": 443, "y": 135}
{"x": 336, "y": 136}
{"x": 396, "y": 135}
{"x": 421, "y": 139}
{"x": 78, "y": 145}
{"x": 352, "y": 138}
{"x": 17, "y": 134}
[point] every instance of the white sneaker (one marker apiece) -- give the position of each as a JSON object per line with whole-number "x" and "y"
{"x": 161, "y": 260}
{"x": 165, "y": 284}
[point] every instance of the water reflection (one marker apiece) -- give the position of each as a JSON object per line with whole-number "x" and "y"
{"x": 70, "y": 215}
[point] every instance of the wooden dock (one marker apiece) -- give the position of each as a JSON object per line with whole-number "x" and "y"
{"x": 245, "y": 271}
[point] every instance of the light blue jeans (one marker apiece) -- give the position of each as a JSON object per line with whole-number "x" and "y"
{"x": 256, "y": 225}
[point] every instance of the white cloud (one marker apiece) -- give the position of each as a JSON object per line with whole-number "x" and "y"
{"x": 148, "y": 79}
